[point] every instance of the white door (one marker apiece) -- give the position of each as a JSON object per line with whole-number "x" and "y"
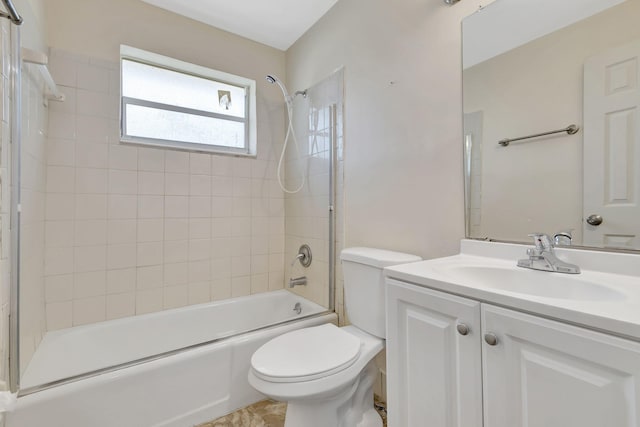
{"x": 612, "y": 147}
{"x": 433, "y": 364}
{"x": 542, "y": 373}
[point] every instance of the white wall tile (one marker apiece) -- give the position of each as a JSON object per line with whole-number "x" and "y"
{"x": 151, "y": 183}
{"x": 176, "y": 206}
{"x": 175, "y": 296}
{"x": 150, "y": 230}
{"x": 121, "y": 231}
{"x": 176, "y": 251}
{"x": 90, "y": 232}
{"x": 123, "y": 157}
{"x": 151, "y": 160}
{"x": 149, "y": 253}
{"x": 149, "y": 277}
{"x": 121, "y": 305}
{"x": 151, "y": 206}
{"x": 59, "y": 206}
{"x": 176, "y": 274}
{"x": 60, "y": 179}
{"x": 220, "y": 289}
{"x": 122, "y": 207}
{"x": 121, "y": 281}
{"x": 199, "y": 293}
{"x": 90, "y": 258}
{"x": 89, "y": 284}
{"x": 200, "y": 185}
{"x": 176, "y": 229}
{"x": 59, "y": 233}
{"x": 89, "y": 310}
{"x": 90, "y": 206}
{"x": 91, "y": 155}
{"x": 123, "y": 182}
{"x": 92, "y": 77}
{"x": 121, "y": 256}
{"x": 148, "y": 301}
{"x": 59, "y": 315}
{"x": 58, "y": 288}
{"x": 200, "y": 164}
{"x": 176, "y": 184}
{"x": 176, "y": 161}
{"x": 91, "y": 181}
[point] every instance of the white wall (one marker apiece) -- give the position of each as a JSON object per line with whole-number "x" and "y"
{"x": 132, "y": 230}
{"x": 403, "y": 124}
{"x": 536, "y": 185}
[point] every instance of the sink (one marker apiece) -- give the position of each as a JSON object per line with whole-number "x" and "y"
{"x": 530, "y": 282}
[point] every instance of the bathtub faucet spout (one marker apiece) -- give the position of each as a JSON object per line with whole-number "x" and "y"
{"x": 298, "y": 281}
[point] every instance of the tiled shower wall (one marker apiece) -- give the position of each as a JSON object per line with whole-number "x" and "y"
{"x": 133, "y": 230}
{"x": 318, "y": 125}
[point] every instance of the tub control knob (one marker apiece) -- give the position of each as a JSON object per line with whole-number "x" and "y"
{"x": 462, "y": 329}
{"x": 491, "y": 338}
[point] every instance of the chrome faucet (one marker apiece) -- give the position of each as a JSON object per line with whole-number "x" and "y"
{"x": 563, "y": 238}
{"x": 543, "y": 257}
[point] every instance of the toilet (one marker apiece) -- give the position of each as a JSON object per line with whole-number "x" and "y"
{"x": 326, "y": 373}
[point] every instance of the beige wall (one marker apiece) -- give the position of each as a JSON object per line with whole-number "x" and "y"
{"x": 537, "y": 185}
{"x": 403, "y": 137}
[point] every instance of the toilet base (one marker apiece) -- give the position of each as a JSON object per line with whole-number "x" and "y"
{"x": 350, "y": 407}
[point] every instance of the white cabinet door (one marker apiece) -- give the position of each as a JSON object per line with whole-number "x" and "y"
{"x": 543, "y": 373}
{"x": 433, "y": 371}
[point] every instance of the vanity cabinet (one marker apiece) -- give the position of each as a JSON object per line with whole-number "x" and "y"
{"x": 433, "y": 358}
{"x": 510, "y": 370}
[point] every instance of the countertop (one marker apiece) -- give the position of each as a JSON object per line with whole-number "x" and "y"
{"x": 620, "y": 273}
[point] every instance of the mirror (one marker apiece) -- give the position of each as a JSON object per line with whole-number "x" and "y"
{"x": 539, "y": 66}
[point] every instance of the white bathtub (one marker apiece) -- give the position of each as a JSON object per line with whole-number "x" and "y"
{"x": 183, "y": 388}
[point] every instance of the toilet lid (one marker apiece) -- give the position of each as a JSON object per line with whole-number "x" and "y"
{"x": 306, "y": 354}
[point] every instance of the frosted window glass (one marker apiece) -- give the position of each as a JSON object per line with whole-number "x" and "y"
{"x": 146, "y": 122}
{"x": 151, "y": 83}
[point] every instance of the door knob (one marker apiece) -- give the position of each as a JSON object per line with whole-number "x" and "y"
{"x": 462, "y": 329}
{"x": 491, "y": 338}
{"x": 594, "y": 220}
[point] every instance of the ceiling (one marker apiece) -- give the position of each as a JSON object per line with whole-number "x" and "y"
{"x": 276, "y": 23}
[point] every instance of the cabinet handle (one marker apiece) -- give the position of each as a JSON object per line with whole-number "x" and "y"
{"x": 491, "y": 338}
{"x": 462, "y": 329}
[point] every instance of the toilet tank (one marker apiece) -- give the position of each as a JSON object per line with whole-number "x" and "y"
{"x": 364, "y": 292}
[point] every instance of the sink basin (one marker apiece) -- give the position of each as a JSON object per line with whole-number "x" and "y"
{"x": 531, "y": 282}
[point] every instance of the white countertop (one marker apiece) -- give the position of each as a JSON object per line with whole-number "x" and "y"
{"x": 620, "y": 273}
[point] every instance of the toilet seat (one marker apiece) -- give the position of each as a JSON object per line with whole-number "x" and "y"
{"x": 306, "y": 354}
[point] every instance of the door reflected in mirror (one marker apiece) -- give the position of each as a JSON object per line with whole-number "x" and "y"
{"x": 532, "y": 68}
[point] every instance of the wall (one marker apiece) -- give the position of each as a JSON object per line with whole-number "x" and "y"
{"x": 403, "y": 131}
{"x": 132, "y": 230}
{"x": 537, "y": 186}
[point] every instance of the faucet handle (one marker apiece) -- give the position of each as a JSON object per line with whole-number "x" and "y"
{"x": 542, "y": 241}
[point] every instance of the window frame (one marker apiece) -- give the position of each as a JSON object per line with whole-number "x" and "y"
{"x": 160, "y": 61}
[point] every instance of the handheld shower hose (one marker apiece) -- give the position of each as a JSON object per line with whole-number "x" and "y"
{"x": 290, "y": 134}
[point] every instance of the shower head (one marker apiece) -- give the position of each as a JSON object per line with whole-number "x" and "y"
{"x": 273, "y": 79}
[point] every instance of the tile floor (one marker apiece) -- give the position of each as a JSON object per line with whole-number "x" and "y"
{"x": 267, "y": 413}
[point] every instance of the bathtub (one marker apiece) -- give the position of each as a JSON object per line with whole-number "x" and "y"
{"x": 152, "y": 370}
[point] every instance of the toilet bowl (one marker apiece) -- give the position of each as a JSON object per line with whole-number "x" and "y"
{"x": 326, "y": 373}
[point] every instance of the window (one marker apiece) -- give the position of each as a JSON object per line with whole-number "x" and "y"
{"x": 170, "y": 103}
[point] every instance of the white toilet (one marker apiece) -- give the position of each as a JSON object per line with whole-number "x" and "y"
{"x": 326, "y": 373}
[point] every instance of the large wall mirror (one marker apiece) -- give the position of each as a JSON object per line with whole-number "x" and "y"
{"x": 540, "y": 66}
